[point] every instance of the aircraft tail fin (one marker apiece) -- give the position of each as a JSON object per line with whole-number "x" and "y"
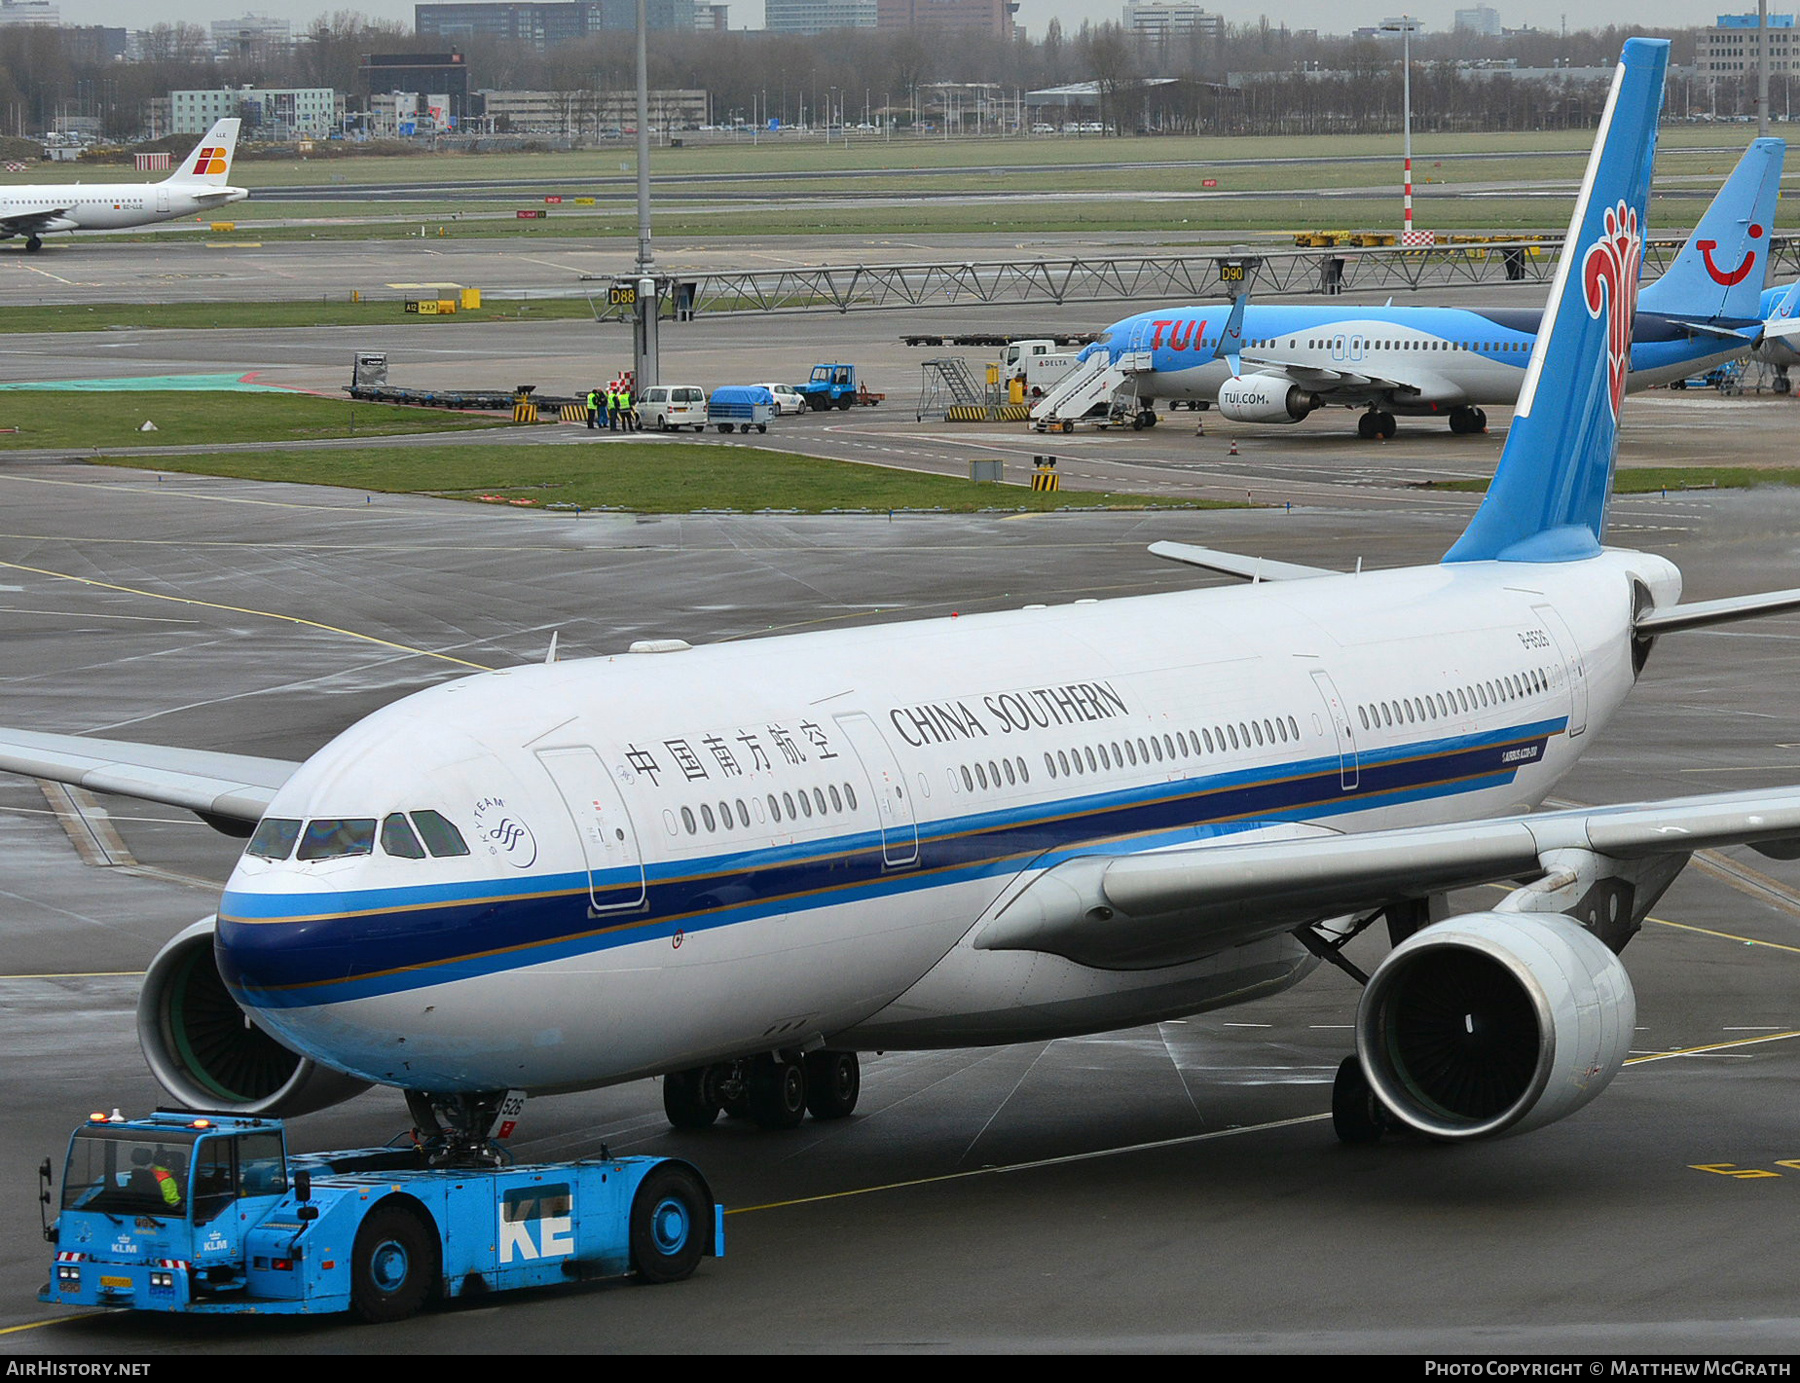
{"x": 1548, "y": 499}
{"x": 210, "y": 162}
{"x": 1720, "y": 271}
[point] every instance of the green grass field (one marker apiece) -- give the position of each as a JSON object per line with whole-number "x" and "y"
{"x": 1087, "y": 185}
{"x": 53, "y": 418}
{"x": 645, "y": 477}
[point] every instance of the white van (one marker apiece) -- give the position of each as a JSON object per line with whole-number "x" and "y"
{"x": 666, "y": 407}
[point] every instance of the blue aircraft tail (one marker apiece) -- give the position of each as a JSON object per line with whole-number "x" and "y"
{"x": 1548, "y": 500}
{"x": 1720, "y": 271}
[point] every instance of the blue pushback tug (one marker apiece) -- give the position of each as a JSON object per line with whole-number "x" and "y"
{"x": 210, "y": 1213}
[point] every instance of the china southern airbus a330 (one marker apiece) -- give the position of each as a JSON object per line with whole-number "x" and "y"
{"x": 201, "y": 184}
{"x": 1279, "y": 364}
{"x": 734, "y": 867}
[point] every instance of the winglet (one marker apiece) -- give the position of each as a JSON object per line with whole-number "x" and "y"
{"x": 1231, "y": 340}
{"x": 1549, "y": 496}
{"x": 1720, "y": 271}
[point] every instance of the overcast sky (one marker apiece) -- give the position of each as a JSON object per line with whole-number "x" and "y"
{"x": 1331, "y": 16}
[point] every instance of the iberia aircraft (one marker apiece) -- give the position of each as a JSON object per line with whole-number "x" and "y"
{"x": 1278, "y": 364}
{"x": 201, "y": 184}
{"x": 735, "y": 867}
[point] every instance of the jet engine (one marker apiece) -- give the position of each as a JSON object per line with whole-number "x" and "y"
{"x": 1265, "y": 398}
{"x": 204, "y": 1050}
{"x": 1494, "y": 1023}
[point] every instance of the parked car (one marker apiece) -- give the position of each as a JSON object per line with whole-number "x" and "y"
{"x": 667, "y": 407}
{"x": 788, "y": 399}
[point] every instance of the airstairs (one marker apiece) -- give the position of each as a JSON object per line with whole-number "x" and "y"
{"x": 1092, "y": 382}
{"x": 947, "y": 386}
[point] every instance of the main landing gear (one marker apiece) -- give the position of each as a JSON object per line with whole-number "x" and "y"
{"x": 775, "y": 1091}
{"x": 1357, "y": 1116}
{"x": 1465, "y": 420}
{"x": 33, "y": 244}
{"x": 1376, "y": 423}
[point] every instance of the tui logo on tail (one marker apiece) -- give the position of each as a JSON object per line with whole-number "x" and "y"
{"x": 1728, "y": 277}
{"x": 1609, "y": 279}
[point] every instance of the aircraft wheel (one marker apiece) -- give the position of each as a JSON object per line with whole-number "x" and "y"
{"x": 1137, "y": 422}
{"x": 393, "y": 1267}
{"x": 1480, "y": 420}
{"x": 33, "y": 244}
{"x": 777, "y": 1093}
{"x": 833, "y": 1081}
{"x": 1385, "y": 426}
{"x": 691, "y": 1098}
{"x": 1149, "y": 417}
{"x": 1781, "y": 384}
{"x": 1365, "y": 427}
{"x": 1356, "y": 1115}
{"x": 668, "y": 1225}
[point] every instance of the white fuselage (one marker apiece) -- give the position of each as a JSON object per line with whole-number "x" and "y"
{"x": 683, "y": 856}
{"x": 114, "y": 206}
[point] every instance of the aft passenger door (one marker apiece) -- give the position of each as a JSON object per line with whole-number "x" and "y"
{"x": 1349, "y": 762}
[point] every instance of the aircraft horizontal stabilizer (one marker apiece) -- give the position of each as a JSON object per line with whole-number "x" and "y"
{"x": 1781, "y": 331}
{"x": 1232, "y": 564}
{"x": 1166, "y": 907}
{"x": 235, "y": 787}
{"x": 1700, "y": 613}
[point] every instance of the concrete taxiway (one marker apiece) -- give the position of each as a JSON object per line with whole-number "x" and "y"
{"x": 1174, "y": 1187}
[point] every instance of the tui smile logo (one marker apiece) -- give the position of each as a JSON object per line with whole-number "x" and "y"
{"x": 1728, "y": 277}
{"x": 1609, "y": 281}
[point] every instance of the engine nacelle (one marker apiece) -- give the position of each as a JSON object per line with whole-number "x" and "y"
{"x": 1493, "y": 1023}
{"x": 1265, "y": 398}
{"x": 204, "y": 1050}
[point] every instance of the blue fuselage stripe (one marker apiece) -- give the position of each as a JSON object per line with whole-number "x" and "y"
{"x": 293, "y": 950}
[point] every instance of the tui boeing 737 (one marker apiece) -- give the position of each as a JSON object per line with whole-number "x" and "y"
{"x": 735, "y": 867}
{"x": 1279, "y": 364}
{"x": 201, "y": 184}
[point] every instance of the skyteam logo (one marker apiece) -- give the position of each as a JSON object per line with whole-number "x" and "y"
{"x": 506, "y": 835}
{"x": 1609, "y": 281}
{"x": 208, "y": 162}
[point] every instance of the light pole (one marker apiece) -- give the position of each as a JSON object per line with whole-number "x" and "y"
{"x": 1406, "y": 26}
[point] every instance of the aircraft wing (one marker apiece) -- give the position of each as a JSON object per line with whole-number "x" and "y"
{"x": 1234, "y": 564}
{"x": 1330, "y": 384}
{"x": 229, "y": 787}
{"x": 1129, "y": 912}
{"x": 37, "y": 222}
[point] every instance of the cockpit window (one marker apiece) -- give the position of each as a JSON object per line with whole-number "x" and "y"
{"x": 274, "y": 838}
{"x": 397, "y": 838}
{"x": 441, "y": 838}
{"x": 336, "y": 838}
